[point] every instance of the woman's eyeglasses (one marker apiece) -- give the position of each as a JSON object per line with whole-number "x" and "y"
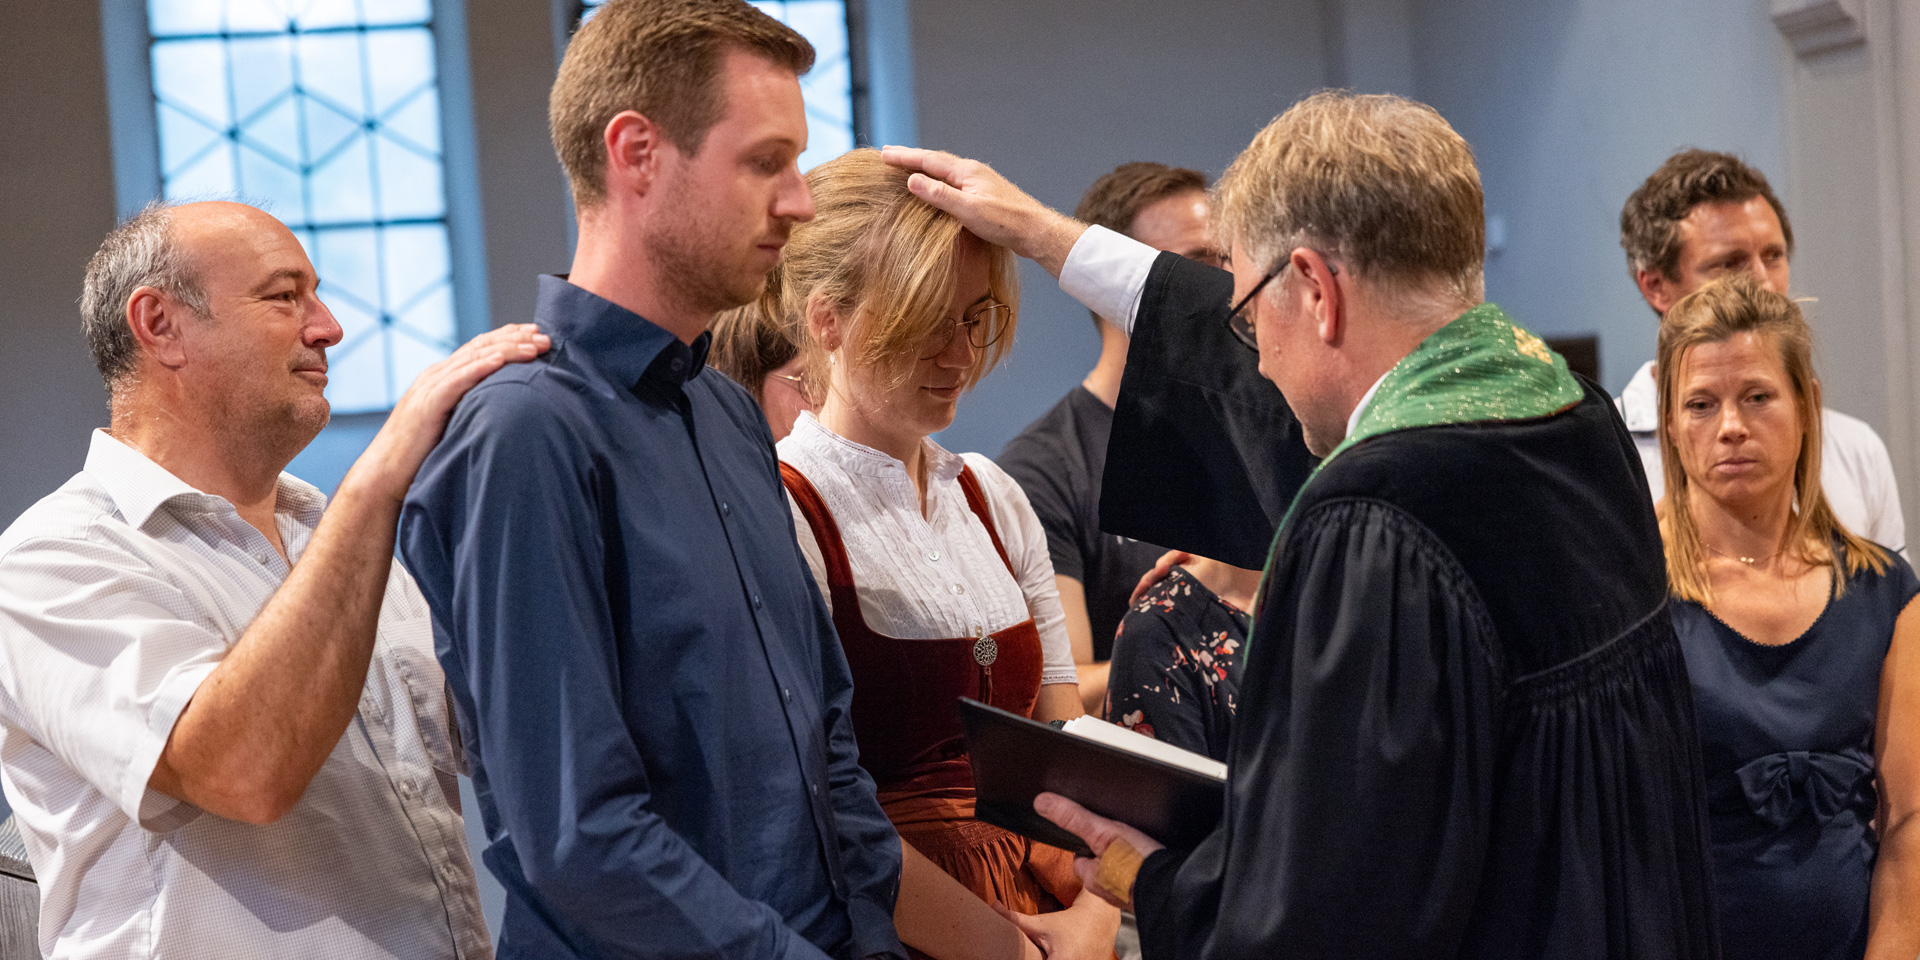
{"x": 1240, "y": 324}
{"x": 799, "y": 385}
{"x": 984, "y": 323}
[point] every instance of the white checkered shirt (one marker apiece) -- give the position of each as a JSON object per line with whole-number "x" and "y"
{"x": 119, "y": 594}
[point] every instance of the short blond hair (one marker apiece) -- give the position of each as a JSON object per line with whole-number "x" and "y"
{"x": 1716, "y": 313}
{"x": 660, "y": 58}
{"x": 884, "y": 260}
{"x": 1380, "y": 183}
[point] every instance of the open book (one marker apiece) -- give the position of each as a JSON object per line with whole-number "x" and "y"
{"x": 1173, "y": 795}
{"x": 1114, "y": 735}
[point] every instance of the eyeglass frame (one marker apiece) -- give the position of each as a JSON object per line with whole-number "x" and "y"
{"x": 1241, "y": 326}
{"x": 799, "y": 385}
{"x": 971, "y": 320}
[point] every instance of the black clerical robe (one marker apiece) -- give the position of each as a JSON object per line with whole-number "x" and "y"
{"x": 1465, "y": 726}
{"x": 1199, "y": 436}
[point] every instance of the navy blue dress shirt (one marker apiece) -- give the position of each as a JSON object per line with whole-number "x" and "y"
{"x": 653, "y": 698}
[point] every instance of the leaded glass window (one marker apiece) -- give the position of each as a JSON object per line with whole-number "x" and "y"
{"x": 327, "y": 114}
{"x": 827, "y": 89}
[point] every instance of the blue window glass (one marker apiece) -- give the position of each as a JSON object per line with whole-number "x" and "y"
{"x": 827, "y": 89}
{"x": 326, "y": 113}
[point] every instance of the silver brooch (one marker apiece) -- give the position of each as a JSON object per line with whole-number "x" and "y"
{"x": 985, "y": 651}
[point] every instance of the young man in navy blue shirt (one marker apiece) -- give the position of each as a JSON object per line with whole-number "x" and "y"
{"x": 653, "y": 695}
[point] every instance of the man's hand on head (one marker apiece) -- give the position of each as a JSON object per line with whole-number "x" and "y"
{"x": 989, "y": 205}
{"x": 417, "y": 421}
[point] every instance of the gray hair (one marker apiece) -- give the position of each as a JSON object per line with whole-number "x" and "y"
{"x": 1381, "y": 183}
{"x": 140, "y": 252}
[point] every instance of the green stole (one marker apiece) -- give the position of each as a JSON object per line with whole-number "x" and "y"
{"x": 1480, "y": 367}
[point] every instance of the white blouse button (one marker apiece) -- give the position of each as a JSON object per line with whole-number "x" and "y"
{"x": 933, "y": 555}
{"x": 957, "y": 589}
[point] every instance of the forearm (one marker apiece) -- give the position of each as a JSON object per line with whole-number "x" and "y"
{"x": 1050, "y": 236}
{"x": 1092, "y": 676}
{"x": 939, "y": 917}
{"x": 262, "y": 723}
{"x": 1057, "y": 701}
{"x": 1893, "y": 927}
{"x": 1093, "y": 685}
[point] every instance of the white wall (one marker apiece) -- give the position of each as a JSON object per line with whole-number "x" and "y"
{"x": 1569, "y": 105}
{"x": 56, "y": 204}
{"x": 1054, "y": 93}
{"x": 1852, "y": 122}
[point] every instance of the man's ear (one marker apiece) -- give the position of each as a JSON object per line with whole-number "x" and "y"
{"x": 159, "y": 323}
{"x": 1660, "y": 291}
{"x": 1321, "y": 295}
{"x": 635, "y": 150}
{"x": 825, "y": 323}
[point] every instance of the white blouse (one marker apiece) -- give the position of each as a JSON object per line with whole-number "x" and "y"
{"x": 938, "y": 576}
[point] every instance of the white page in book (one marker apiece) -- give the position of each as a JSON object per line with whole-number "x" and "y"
{"x": 1114, "y": 735}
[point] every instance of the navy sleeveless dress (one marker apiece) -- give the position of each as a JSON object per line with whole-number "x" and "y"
{"x": 1787, "y": 737}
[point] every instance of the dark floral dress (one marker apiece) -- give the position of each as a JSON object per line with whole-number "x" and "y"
{"x": 1176, "y": 666}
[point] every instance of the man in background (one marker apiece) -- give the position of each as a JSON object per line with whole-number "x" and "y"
{"x": 656, "y": 700}
{"x": 1060, "y": 459}
{"x": 223, "y": 730}
{"x": 1703, "y": 215}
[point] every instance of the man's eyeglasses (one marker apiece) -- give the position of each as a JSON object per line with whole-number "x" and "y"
{"x": 985, "y": 322}
{"x": 1242, "y": 325}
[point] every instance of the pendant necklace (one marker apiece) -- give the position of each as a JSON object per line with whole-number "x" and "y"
{"x": 1749, "y": 561}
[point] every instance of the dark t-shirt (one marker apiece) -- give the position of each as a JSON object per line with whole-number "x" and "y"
{"x": 1058, "y": 460}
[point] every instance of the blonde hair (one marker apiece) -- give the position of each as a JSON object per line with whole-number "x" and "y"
{"x": 1378, "y": 182}
{"x": 747, "y": 347}
{"x": 1716, "y": 313}
{"x": 660, "y": 58}
{"x": 883, "y": 259}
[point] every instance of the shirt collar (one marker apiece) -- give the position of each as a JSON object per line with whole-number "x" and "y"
{"x": 1640, "y": 401}
{"x": 1353, "y": 419}
{"x": 140, "y": 487}
{"x": 858, "y": 458}
{"x": 624, "y": 345}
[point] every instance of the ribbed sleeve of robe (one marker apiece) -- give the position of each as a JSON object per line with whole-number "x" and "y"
{"x": 1204, "y": 454}
{"x": 1357, "y": 822}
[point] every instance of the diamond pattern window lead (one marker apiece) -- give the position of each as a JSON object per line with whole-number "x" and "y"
{"x": 327, "y": 113}
{"x": 827, "y": 89}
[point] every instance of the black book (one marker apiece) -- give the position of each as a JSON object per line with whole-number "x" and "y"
{"x": 1016, "y": 759}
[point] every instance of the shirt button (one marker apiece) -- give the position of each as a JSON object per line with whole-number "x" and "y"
{"x": 957, "y": 589}
{"x": 788, "y": 693}
{"x": 726, "y": 509}
{"x": 933, "y": 554}
{"x": 677, "y": 364}
{"x": 813, "y": 788}
{"x": 756, "y": 600}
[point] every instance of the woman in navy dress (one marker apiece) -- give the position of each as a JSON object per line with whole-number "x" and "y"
{"x": 1800, "y": 642}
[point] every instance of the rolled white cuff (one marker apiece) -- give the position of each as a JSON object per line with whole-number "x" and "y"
{"x": 1107, "y": 271}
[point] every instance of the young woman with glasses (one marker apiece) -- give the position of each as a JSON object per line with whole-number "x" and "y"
{"x": 934, "y": 564}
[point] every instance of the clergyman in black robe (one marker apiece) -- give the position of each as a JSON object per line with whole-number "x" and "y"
{"x": 1465, "y": 727}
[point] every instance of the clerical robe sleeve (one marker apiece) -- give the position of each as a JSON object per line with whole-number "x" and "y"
{"x": 1358, "y": 808}
{"x": 1204, "y": 454}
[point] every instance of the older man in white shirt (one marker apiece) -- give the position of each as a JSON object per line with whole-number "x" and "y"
{"x": 1702, "y": 215}
{"x": 223, "y": 731}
